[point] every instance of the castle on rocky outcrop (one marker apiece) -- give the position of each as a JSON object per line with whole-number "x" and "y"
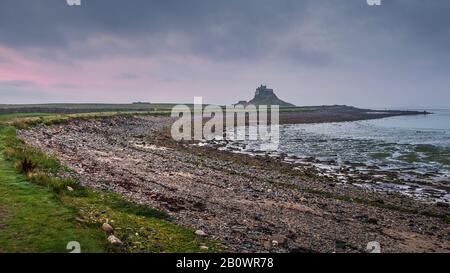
{"x": 266, "y": 96}
{"x": 264, "y": 91}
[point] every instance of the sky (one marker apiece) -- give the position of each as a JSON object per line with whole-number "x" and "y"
{"x": 312, "y": 52}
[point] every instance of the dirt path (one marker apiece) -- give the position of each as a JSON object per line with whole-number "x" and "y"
{"x": 250, "y": 204}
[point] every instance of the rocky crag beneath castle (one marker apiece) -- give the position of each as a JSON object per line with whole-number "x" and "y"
{"x": 266, "y": 96}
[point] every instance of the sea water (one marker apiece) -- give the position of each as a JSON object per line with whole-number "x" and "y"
{"x": 419, "y": 142}
{"x": 414, "y": 148}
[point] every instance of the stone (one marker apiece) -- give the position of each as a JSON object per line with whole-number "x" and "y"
{"x": 268, "y": 245}
{"x": 107, "y": 228}
{"x": 81, "y": 220}
{"x": 114, "y": 240}
{"x": 340, "y": 244}
{"x": 70, "y": 188}
{"x": 200, "y": 233}
{"x": 279, "y": 240}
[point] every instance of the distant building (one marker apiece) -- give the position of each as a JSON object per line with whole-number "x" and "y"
{"x": 264, "y": 91}
{"x": 265, "y": 96}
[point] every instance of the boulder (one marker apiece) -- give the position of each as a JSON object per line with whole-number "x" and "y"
{"x": 107, "y": 228}
{"x": 114, "y": 240}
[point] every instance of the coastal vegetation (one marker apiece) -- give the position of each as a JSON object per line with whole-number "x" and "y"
{"x": 43, "y": 208}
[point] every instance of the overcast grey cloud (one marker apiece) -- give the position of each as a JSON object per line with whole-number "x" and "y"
{"x": 222, "y": 29}
{"x": 311, "y": 51}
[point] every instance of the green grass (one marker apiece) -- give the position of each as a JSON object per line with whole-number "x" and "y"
{"x": 38, "y": 212}
{"x": 21, "y": 120}
{"x": 81, "y": 107}
{"x": 32, "y": 219}
{"x": 141, "y": 228}
{"x": 10, "y": 111}
{"x": 6, "y": 117}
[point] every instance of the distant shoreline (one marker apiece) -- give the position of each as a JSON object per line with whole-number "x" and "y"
{"x": 293, "y": 115}
{"x": 288, "y": 115}
{"x": 341, "y": 114}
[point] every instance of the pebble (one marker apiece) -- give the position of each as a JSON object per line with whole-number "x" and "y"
{"x": 279, "y": 240}
{"x": 114, "y": 240}
{"x": 268, "y": 245}
{"x": 107, "y": 228}
{"x": 200, "y": 233}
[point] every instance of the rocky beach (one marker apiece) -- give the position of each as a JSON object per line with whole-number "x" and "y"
{"x": 250, "y": 203}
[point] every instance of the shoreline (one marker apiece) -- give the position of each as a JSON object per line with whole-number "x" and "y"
{"x": 325, "y": 114}
{"x": 425, "y": 187}
{"x": 246, "y": 202}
